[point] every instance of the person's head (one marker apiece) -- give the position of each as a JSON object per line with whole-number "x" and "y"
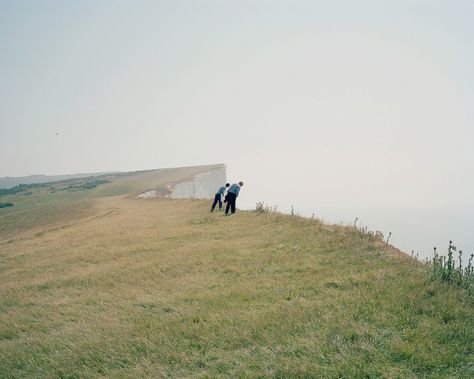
{"x": 227, "y": 185}
{"x": 241, "y": 184}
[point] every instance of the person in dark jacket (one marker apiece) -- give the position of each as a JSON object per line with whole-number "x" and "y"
{"x": 231, "y": 197}
{"x": 218, "y": 197}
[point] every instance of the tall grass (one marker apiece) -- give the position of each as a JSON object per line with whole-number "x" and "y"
{"x": 160, "y": 288}
{"x": 446, "y": 269}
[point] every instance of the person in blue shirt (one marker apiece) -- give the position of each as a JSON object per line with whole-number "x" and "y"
{"x": 231, "y": 197}
{"x": 218, "y": 197}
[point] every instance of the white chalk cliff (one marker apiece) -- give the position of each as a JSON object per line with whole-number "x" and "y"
{"x": 201, "y": 186}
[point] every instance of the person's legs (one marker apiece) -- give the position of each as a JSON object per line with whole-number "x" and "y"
{"x": 217, "y": 198}
{"x": 230, "y": 198}
{"x": 227, "y": 206}
{"x": 232, "y": 205}
{"x": 220, "y": 202}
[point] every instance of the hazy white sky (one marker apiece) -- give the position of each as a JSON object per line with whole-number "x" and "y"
{"x": 308, "y": 102}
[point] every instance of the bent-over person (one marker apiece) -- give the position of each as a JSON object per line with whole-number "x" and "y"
{"x": 218, "y": 197}
{"x": 231, "y": 197}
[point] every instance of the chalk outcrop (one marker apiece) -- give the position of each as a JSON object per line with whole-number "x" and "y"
{"x": 201, "y": 186}
{"x": 147, "y": 194}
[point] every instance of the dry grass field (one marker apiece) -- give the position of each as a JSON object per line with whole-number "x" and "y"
{"x": 130, "y": 287}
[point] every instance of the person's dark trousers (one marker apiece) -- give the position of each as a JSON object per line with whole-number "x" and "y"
{"x": 217, "y": 199}
{"x": 230, "y": 203}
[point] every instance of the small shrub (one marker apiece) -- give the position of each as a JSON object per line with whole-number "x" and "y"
{"x": 13, "y": 190}
{"x": 6, "y": 205}
{"x": 87, "y": 185}
{"x": 445, "y": 268}
{"x": 261, "y": 207}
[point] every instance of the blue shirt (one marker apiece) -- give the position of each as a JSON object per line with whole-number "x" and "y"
{"x": 235, "y": 189}
{"x": 221, "y": 190}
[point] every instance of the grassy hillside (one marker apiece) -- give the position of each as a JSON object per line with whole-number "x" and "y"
{"x": 8, "y": 182}
{"x": 163, "y": 288}
{"x": 43, "y": 203}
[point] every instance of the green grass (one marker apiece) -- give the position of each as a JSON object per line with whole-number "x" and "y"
{"x": 162, "y": 288}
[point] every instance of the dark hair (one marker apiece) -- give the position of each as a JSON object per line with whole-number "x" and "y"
{"x": 227, "y": 185}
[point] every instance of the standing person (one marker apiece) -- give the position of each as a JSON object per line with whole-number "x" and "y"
{"x": 232, "y": 194}
{"x": 218, "y": 197}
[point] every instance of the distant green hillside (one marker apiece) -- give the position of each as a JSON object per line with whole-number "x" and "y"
{"x": 100, "y": 286}
{"x": 10, "y": 181}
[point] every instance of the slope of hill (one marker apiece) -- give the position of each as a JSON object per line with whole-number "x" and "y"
{"x": 69, "y": 199}
{"x": 163, "y": 288}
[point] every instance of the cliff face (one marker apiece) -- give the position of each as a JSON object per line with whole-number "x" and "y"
{"x": 201, "y": 186}
{"x": 147, "y": 194}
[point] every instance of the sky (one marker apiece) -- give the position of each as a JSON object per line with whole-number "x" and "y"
{"x": 346, "y": 109}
